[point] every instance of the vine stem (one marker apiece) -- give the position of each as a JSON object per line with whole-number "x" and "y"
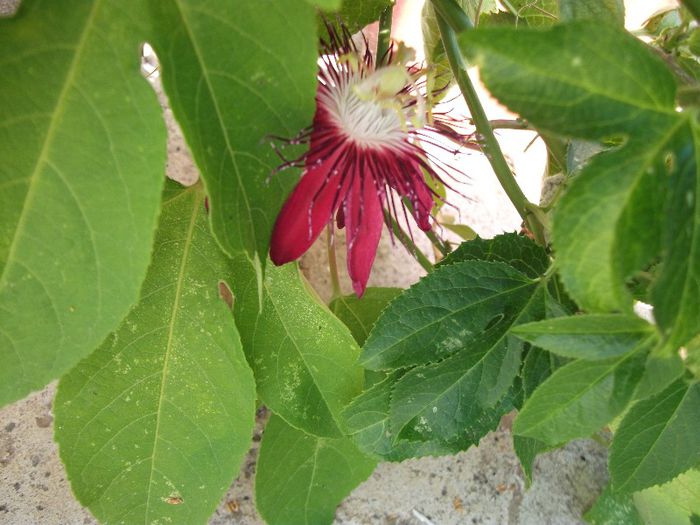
{"x": 486, "y": 138}
{"x": 693, "y": 6}
{"x": 408, "y": 243}
{"x": 384, "y": 35}
{"x": 333, "y": 264}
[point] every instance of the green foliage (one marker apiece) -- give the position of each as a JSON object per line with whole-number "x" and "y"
{"x": 153, "y": 424}
{"x": 599, "y": 241}
{"x": 448, "y": 312}
{"x": 586, "y": 336}
{"x": 606, "y": 11}
{"x": 359, "y": 315}
{"x": 151, "y": 428}
{"x": 233, "y": 79}
{"x": 302, "y": 356}
{"x": 658, "y": 439}
{"x": 301, "y": 479}
{"x": 581, "y": 397}
{"x": 83, "y": 153}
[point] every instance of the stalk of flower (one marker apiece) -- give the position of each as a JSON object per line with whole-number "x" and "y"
{"x": 367, "y": 145}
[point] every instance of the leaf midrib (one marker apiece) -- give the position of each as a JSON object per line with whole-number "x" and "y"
{"x": 57, "y": 114}
{"x": 168, "y": 347}
{"x": 229, "y": 148}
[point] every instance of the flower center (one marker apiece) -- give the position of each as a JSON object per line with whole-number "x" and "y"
{"x": 369, "y": 122}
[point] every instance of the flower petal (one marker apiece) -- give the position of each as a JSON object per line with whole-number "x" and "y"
{"x": 308, "y": 210}
{"x": 421, "y": 198}
{"x": 364, "y": 219}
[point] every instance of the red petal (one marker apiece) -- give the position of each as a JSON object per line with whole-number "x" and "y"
{"x": 422, "y": 200}
{"x": 364, "y": 219}
{"x": 307, "y": 211}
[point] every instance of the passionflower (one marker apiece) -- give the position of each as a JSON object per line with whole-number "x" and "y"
{"x": 366, "y": 151}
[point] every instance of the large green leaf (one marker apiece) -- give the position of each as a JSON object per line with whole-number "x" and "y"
{"x": 586, "y": 336}
{"x": 516, "y": 250}
{"x": 233, "y": 78}
{"x": 301, "y": 479}
{"x": 674, "y": 503}
{"x": 446, "y": 312}
{"x": 303, "y": 357}
{"x": 658, "y": 439}
{"x": 630, "y": 205}
{"x": 367, "y": 421}
{"x": 82, "y": 145}
{"x": 566, "y": 80}
{"x": 360, "y": 314}
{"x": 581, "y": 397}
{"x": 153, "y": 425}
{"x": 606, "y": 11}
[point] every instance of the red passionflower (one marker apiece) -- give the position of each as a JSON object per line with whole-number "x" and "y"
{"x": 366, "y": 140}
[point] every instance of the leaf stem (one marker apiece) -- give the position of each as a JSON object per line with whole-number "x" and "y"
{"x": 452, "y": 13}
{"x": 333, "y": 264}
{"x": 384, "y": 35}
{"x": 407, "y": 242}
{"x": 486, "y": 138}
{"x": 693, "y": 6}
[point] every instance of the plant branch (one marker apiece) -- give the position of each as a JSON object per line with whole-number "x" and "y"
{"x": 487, "y": 140}
{"x": 408, "y": 243}
{"x": 384, "y": 35}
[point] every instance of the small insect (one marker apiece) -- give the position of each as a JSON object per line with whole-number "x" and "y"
{"x": 174, "y": 500}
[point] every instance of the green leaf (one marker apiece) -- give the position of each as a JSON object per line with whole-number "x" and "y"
{"x": 328, "y": 5}
{"x": 614, "y": 509}
{"x": 442, "y": 400}
{"x": 447, "y": 311}
{"x": 301, "y": 479}
{"x": 661, "y": 370}
{"x": 83, "y": 159}
{"x": 586, "y": 336}
{"x": 359, "y": 315}
{"x": 516, "y": 250}
{"x": 152, "y": 427}
{"x": 676, "y": 293}
{"x": 581, "y": 397}
{"x": 606, "y": 227}
{"x": 367, "y": 421}
{"x": 658, "y": 439}
{"x": 566, "y": 80}
{"x": 233, "y": 79}
{"x": 527, "y": 449}
{"x": 674, "y": 503}
{"x": 536, "y": 13}
{"x": 606, "y": 11}
{"x": 303, "y": 357}
{"x": 538, "y": 365}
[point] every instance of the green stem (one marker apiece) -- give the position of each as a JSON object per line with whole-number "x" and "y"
{"x": 333, "y": 264}
{"x": 693, "y": 6}
{"x": 509, "y": 124}
{"x": 408, "y": 243}
{"x": 487, "y": 140}
{"x": 453, "y": 14}
{"x": 384, "y": 36}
